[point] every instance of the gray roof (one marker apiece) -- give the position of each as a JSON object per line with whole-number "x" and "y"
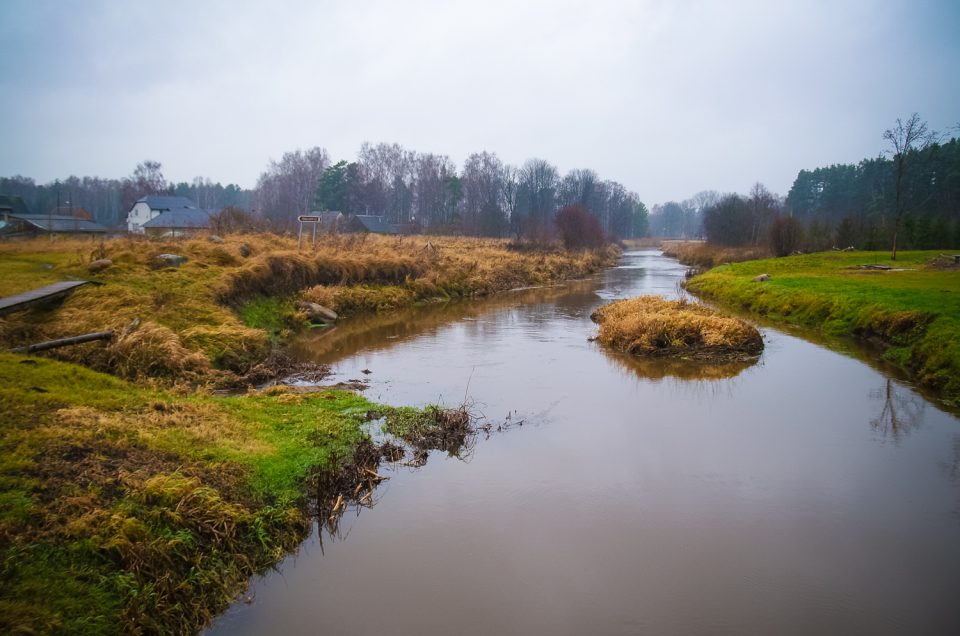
{"x": 160, "y": 202}
{"x": 180, "y": 218}
{"x": 59, "y": 223}
{"x": 375, "y": 224}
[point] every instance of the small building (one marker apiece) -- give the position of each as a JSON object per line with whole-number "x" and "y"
{"x": 359, "y": 223}
{"x": 178, "y": 222}
{"x": 17, "y": 225}
{"x": 153, "y": 205}
{"x": 330, "y": 220}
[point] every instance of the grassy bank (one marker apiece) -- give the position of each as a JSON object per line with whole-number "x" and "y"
{"x": 914, "y": 314}
{"x": 214, "y": 320}
{"x": 127, "y": 509}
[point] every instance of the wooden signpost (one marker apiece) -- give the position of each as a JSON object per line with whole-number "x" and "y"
{"x": 308, "y": 218}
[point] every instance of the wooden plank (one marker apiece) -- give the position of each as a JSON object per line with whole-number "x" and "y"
{"x": 38, "y": 296}
{"x": 65, "y": 342}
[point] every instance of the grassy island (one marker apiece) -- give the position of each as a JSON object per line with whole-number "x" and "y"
{"x": 656, "y": 327}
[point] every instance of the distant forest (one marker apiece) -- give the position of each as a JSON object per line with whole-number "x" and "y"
{"x": 914, "y": 192}
{"x": 485, "y": 198}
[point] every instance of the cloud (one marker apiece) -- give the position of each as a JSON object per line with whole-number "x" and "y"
{"x": 667, "y": 97}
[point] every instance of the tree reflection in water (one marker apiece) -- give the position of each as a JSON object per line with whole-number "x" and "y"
{"x": 902, "y": 411}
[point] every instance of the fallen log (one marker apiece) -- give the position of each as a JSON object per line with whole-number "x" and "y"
{"x": 64, "y": 342}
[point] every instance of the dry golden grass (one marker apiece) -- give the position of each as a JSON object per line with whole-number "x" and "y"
{"x": 189, "y": 330}
{"x": 400, "y": 271}
{"x": 704, "y": 255}
{"x": 655, "y": 326}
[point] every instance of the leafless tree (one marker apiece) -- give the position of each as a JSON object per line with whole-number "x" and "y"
{"x": 288, "y": 187}
{"x": 434, "y": 200}
{"x": 536, "y": 199}
{"x": 147, "y": 179}
{"x": 484, "y": 188}
{"x": 763, "y": 205}
{"x": 902, "y": 140}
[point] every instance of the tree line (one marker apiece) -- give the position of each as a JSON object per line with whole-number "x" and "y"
{"x": 487, "y": 197}
{"x": 907, "y": 198}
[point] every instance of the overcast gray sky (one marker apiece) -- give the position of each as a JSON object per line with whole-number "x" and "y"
{"x": 667, "y": 97}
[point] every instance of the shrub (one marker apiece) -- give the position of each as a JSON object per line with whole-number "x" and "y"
{"x": 578, "y": 228}
{"x": 786, "y": 235}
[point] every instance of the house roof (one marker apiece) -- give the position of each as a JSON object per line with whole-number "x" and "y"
{"x": 375, "y": 224}
{"x": 59, "y": 223}
{"x": 75, "y": 211}
{"x": 162, "y": 202}
{"x": 180, "y": 218}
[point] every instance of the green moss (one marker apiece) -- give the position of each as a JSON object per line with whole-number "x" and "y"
{"x": 275, "y": 315}
{"x": 915, "y": 312}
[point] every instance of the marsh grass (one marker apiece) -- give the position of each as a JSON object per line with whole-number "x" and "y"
{"x": 656, "y": 327}
{"x": 131, "y": 509}
{"x": 217, "y": 317}
{"x": 705, "y": 255}
{"x": 913, "y": 313}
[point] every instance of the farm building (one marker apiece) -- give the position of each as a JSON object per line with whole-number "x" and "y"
{"x": 180, "y": 216}
{"x": 14, "y": 225}
{"x": 359, "y": 223}
{"x": 178, "y": 222}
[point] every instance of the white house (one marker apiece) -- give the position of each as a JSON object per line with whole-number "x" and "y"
{"x": 152, "y": 206}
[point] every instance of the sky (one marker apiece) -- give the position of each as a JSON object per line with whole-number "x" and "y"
{"x": 667, "y": 97}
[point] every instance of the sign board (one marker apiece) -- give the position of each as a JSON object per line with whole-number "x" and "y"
{"x": 308, "y": 218}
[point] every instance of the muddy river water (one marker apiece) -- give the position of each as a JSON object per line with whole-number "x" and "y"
{"x": 810, "y": 493}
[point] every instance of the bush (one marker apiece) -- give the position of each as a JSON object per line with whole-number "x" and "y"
{"x": 786, "y": 234}
{"x": 578, "y": 228}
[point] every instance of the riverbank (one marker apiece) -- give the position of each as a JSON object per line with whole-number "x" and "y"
{"x": 910, "y": 307}
{"x": 215, "y": 318}
{"x": 129, "y": 509}
{"x": 133, "y": 498}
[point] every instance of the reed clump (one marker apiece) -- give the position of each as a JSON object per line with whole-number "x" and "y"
{"x": 657, "y": 327}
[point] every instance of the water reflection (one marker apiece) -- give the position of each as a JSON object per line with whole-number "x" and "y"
{"x": 381, "y": 332}
{"x": 900, "y": 413}
{"x": 660, "y": 368}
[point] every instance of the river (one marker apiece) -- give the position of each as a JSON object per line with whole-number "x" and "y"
{"x": 808, "y": 493}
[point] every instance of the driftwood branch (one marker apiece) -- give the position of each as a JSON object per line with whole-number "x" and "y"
{"x": 64, "y": 342}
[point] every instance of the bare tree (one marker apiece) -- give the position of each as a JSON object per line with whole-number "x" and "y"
{"x": 147, "y": 179}
{"x": 288, "y": 187}
{"x": 536, "y": 199}
{"x": 763, "y": 204}
{"x": 903, "y": 139}
{"x": 484, "y": 201}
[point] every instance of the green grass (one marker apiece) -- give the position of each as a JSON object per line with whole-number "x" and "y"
{"x": 276, "y": 315}
{"x": 127, "y": 506}
{"x": 914, "y": 313}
